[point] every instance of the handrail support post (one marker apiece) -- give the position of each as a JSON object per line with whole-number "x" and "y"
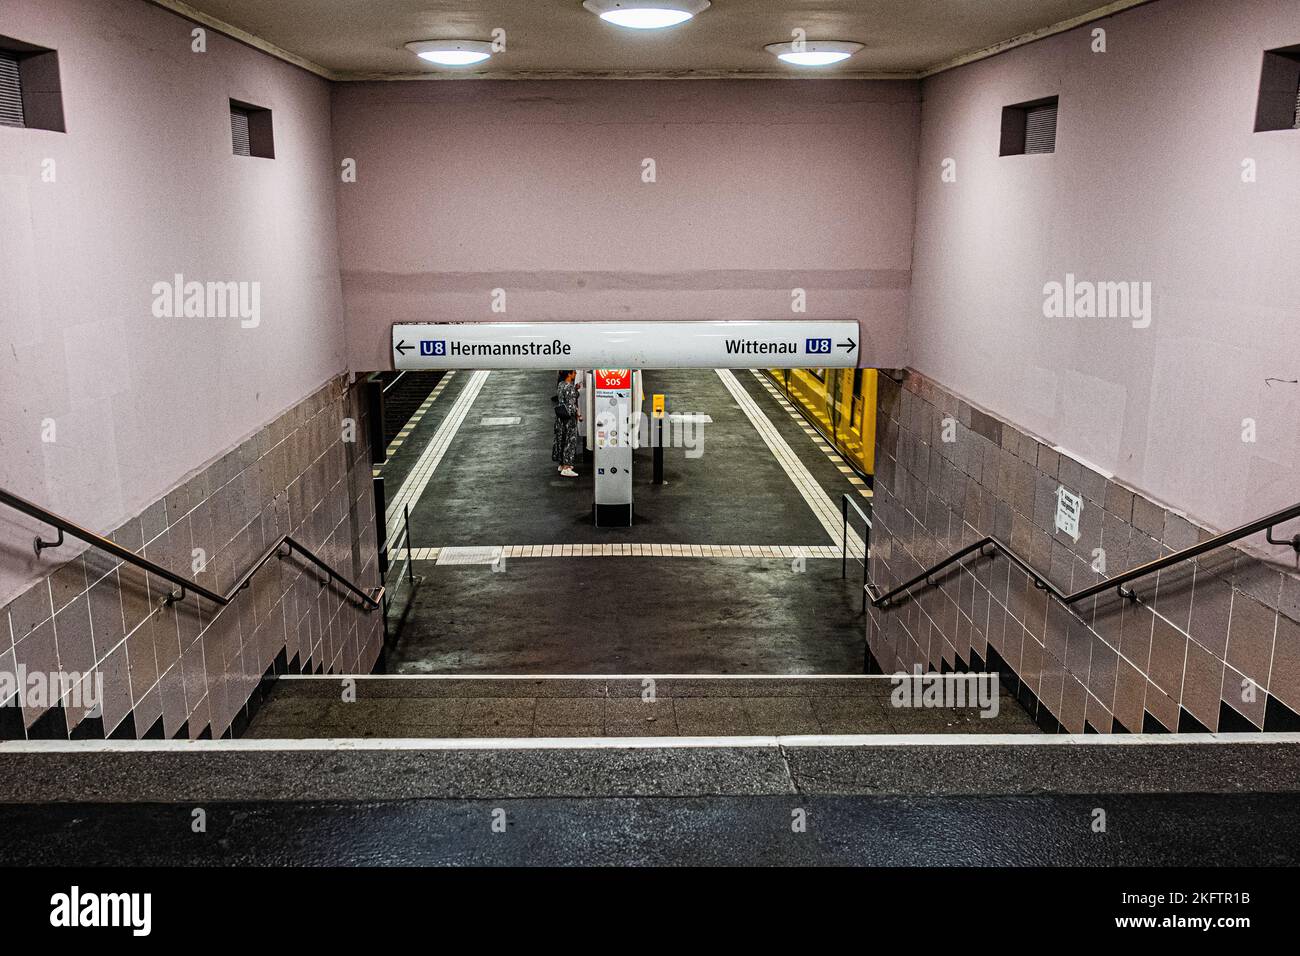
{"x": 38, "y": 545}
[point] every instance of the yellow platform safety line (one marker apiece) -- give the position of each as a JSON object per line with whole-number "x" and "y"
{"x": 409, "y": 427}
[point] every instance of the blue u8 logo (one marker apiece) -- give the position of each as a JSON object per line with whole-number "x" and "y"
{"x": 433, "y": 347}
{"x": 818, "y": 346}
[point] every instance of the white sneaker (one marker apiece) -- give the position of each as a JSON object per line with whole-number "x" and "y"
{"x": 568, "y": 473}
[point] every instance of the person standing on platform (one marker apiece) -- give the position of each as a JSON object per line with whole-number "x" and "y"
{"x": 564, "y": 451}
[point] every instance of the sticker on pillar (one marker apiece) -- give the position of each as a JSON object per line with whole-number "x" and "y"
{"x": 1069, "y": 508}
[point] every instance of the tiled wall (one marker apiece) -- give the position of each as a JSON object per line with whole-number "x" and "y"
{"x": 190, "y": 670}
{"x": 1215, "y": 643}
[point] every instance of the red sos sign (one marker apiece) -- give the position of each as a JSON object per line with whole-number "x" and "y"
{"x": 613, "y": 378}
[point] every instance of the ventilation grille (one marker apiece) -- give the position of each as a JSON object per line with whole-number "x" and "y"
{"x": 239, "y": 131}
{"x": 11, "y": 92}
{"x": 1040, "y": 129}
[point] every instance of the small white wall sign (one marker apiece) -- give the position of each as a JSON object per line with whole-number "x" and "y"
{"x": 1069, "y": 508}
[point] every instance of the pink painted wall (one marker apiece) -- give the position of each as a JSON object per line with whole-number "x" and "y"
{"x": 535, "y": 187}
{"x": 1146, "y": 184}
{"x": 146, "y": 186}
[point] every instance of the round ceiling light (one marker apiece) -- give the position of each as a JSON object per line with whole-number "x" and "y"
{"x": 646, "y": 14}
{"x": 451, "y": 52}
{"x": 813, "y": 52}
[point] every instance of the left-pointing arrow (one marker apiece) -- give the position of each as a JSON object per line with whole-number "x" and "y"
{"x": 402, "y": 348}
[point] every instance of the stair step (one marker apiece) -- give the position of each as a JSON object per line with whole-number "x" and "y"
{"x": 622, "y": 706}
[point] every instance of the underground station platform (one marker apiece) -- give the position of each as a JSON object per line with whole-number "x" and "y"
{"x": 649, "y": 432}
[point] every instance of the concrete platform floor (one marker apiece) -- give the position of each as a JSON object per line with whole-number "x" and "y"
{"x": 618, "y": 615}
{"x": 435, "y": 708}
{"x": 1037, "y": 830}
{"x": 495, "y": 486}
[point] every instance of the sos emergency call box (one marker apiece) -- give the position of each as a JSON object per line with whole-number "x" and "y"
{"x": 615, "y": 413}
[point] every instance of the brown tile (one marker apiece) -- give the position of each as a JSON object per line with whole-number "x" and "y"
{"x": 37, "y": 653}
{"x": 1101, "y": 673}
{"x": 1031, "y": 664}
{"x": 1160, "y": 706}
{"x": 1148, "y": 517}
{"x": 1173, "y": 594}
{"x": 194, "y": 677}
{"x": 1168, "y": 656}
{"x": 1261, "y": 581}
{"x": 1078, "y": 650}
{"x": 1211, "y": 611}
{"x": 129, "y": 536}
{"x": 1202, "y": 685}
{"x": 134, "y": 591}
{"x": 1250, "y": 637}
{"x": 1135, "y": 634}
{"x": 67, "y": 583}
{"x": 1179, "y": 533}
{"x": 147, "y": 711}
{"x": 172, "y": 688}
{"x": 1244, "y": 696}
{"x": 1284, "y": 678}
{"x": 106, "y": 614}
{"x": 1130, "y": 696}
{"x": 1074, "y": 698}
{"x": 1289, "y": 601}
{"x": 1097, "y": 715}
{"x": 31, "y": 609}
{"x": 1051, "y": 683}
{"x": 166, "y": 638}
{"x": 1119, "y": 500}
{"x": 116, "y": 676}
{"x": 72, "y": 632}
{"x": 142, "y": 660}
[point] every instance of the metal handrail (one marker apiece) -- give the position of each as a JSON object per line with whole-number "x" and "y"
{"x": 1267, "y": 523}
{"x": 369, "y": 601}
{"x": 845, "y": 501}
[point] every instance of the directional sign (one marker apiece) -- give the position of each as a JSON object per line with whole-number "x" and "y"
{"x": 557, "y": 345}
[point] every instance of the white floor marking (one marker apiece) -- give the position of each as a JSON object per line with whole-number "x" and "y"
{"x": 637, "y": 743}
{"x": 400, "y": 437}
{"x": 488, "y": 554}
{"x": 418, "y": 479}
{"x": 826, "y": 511}
{"x": 336, "y": 678}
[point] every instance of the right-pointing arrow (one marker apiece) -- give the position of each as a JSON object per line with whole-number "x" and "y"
{"x": 848, "y": 346}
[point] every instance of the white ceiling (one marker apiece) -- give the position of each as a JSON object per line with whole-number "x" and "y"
{"x": 352, "y": 40}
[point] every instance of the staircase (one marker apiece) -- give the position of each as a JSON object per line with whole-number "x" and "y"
{"x": 317, "y": 707}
